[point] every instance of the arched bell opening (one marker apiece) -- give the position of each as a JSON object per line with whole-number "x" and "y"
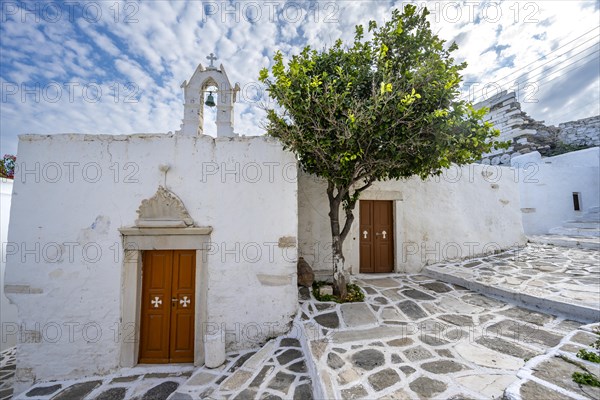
{"x": 207, "y": 87}
{"x": 211, "y": 96}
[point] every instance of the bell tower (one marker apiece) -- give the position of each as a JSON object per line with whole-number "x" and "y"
{"x": 194, "y": 92}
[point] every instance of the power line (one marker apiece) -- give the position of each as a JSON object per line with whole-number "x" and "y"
{"x": 517, "y": 85}
{"x": 553, "y": 51}
{"x": 587, "y": 48}
{"x": 549, "y": 71}
{"x": 561, "y": 75}
{"x": 553, "y": 59}
{"x": 544, "y": 56}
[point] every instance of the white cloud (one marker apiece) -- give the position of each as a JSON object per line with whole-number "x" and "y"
{"x": 157, "y": 45}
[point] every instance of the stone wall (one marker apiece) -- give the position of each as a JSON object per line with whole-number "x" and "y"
{"x": 527, "y": 135}
{"x": 583, "y": 132}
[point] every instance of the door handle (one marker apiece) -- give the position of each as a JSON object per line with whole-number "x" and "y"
{"x": 384, "y": 233}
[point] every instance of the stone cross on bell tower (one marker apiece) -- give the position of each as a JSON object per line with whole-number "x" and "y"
{"x": 194, "y": 92}
{"x": 211, "y": 57}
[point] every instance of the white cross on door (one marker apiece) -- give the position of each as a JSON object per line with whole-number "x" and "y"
{"x": 156, "y": 302}
{"x": 185, "y": 301}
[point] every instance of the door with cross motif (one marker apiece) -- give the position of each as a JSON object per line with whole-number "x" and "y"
{"x": 168, "y": 294}
{"x": 376, "y": 236}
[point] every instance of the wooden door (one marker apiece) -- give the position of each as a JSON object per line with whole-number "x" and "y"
{"x": 376, "y": 236}
{"x": 167, "y": 320}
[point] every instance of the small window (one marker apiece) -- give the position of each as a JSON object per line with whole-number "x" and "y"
{"x": 576, "y": 201}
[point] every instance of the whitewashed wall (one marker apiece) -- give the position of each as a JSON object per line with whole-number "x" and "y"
{"x": 547, "y": 186}
{"x": 76, "y": 191}
{"x": 8, "y": 312}
{"x": 465, "y": 212}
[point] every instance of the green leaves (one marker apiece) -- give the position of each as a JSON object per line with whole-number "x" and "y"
{"x": 383, "y": 50}
{"x": 383, "y": 108}
{"x": 440, "y": 113}
{"x": 359, "y": 32}
{"x": 263, "y": 75}
{"x": 351, "y": 118}
{"x": 410, "y": 98}
{"x": 385, "y": 87}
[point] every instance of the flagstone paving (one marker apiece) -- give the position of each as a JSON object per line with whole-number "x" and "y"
{"x": 276, "y": 371}
{"x": 553, "y": 279}
{"x": 7, "y": 372}
{"x": 140, "y": 383}
{"x": 549, "y": 375}
{"x": 421, "y": 338}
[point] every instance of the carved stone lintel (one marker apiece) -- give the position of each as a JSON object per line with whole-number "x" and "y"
{"x": 164, "y": 209}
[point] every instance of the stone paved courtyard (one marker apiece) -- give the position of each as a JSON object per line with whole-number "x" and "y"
{"x": 7, "y": 373}
{"x": 414, "y": 337}
{"x": 556, "y": 279}
{"x": 276, "y": 371}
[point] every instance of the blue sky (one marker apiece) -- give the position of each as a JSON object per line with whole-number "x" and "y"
{"x": 116, "y": 67}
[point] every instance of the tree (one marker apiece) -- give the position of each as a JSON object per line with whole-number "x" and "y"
{"x": 7, "y": 166}
{"x": 378, "y": 109}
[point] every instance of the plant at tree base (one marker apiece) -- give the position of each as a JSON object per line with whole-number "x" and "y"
{"x": 378, "y": 109}
{"x": 355, "y": 294}
{"x": 587, "y": 378}
{"x": 594, "y": 355}
{"x": 7, "y": 166}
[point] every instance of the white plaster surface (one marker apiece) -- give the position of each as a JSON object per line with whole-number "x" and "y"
{"x": 468, "y": 211}
{"x": 8, "y": 312}
{"x": 76, "y": 191}
{"x": 547, "y": 185}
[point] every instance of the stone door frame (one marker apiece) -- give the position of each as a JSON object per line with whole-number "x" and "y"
{"x": 392, "y": 233}
{"x": 396, "y": 197}
{"x": 135, "y": 241}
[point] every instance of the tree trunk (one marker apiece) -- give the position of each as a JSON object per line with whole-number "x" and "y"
{"x": 339, "y": 277}
{"x": 338, "y": 236}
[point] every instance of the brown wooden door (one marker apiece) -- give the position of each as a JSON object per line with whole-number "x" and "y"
{"x": 376, "y": 236}
{"x": 167, "y": 321}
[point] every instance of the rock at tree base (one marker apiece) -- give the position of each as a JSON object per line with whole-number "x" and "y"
{"x": 306, "y": 276}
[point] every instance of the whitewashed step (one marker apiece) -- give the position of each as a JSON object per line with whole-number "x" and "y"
{"x": 563, "y": 231}
{"x": 589, "y": 216}
{"x": 582, "y": 224}
{"x": 567, "y": 241}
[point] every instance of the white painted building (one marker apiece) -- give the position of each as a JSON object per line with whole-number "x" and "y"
{"x": 465, "y": 212}
{"x": 8, "y": 312}
{"x": 555, "y": 190}
{"x": 120, "y": 242}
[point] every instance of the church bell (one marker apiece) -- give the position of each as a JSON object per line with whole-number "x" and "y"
{"x": 210, "y": 100}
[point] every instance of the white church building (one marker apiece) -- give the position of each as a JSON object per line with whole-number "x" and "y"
{"x": 133, "y": 249}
